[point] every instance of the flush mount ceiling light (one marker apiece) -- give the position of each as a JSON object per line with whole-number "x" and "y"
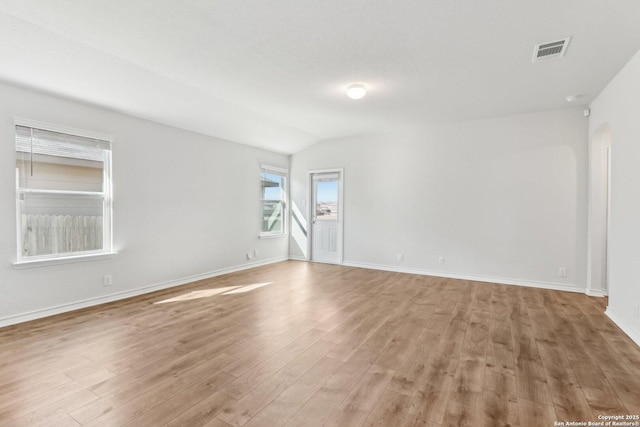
{"x": 356, "y": 91}
{"x": 573, "y": 98}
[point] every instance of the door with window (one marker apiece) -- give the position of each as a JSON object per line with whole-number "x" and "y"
{"x": 326, "y": 217}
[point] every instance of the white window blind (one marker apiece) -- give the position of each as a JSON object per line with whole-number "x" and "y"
{"x": 40, "y": 141}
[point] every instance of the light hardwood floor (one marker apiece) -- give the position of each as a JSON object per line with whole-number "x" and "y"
{"x": 323, "y": 345}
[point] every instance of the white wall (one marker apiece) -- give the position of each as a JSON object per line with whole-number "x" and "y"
{"x": 618, "y": 107}
{"x": 184, "y": 205}
{"x": 501, "y": 199}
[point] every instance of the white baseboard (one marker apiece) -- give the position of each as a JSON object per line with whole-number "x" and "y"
{"x": 38, "y": 314}
{"x": 503, "y": 281}
{"x": 633, "y": 333}
{"x": 298, "y": 258}
{"x": 596, "y": 292}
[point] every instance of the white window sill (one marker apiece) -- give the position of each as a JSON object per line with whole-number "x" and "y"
{"x": 32, "y": 263}
{"x": 272, "y": 236}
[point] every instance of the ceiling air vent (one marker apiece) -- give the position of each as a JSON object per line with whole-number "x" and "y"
{"x": 544, "y": 51}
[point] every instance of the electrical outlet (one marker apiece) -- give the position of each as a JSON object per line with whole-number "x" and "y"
{"x": 562, "y": 272}
{"x": 400, "y": 257}
{"x": 441, "y": 260}
{"x": 107, "y": 280}
{"x": 249, "y": 256}
{"x": 255, "y": 253}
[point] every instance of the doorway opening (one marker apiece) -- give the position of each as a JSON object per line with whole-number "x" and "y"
{"x": 327, "y": 216}
{"x": 599, "y": 203}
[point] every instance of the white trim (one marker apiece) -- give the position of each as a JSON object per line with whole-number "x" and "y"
{"x": 107, "y": 228}
{"x": 275, "y": 169}
{"x": 500, "y": 280}
{"x": 631, "y": 332}
{"x": 327, "y": 262}
{"x": 18, "y": 121}
{"x": 272, "y": 235}
{"x": 38, "y": 314}
{"x": 596, "y": 292}
{"x": 298, "y": 258}
{"x": 96, "y": 194}
{"x": 44, "y": 262}
{"x": 311, "y": 214}
{"x": 18, "y": 217}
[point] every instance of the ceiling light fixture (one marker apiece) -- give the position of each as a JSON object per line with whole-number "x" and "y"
{"x": 356, "y": 91}
{"x": 573, "y": 98}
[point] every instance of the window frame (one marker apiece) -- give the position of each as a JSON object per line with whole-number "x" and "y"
{"x": 106, "y": 195}
{"x": 284, "y": 173}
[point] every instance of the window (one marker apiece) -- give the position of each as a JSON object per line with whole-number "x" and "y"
{"x": 63, "y": 193}
{"x": 273, "y": 191}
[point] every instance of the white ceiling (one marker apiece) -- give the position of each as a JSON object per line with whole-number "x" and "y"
{"x": 273, "y": 73}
